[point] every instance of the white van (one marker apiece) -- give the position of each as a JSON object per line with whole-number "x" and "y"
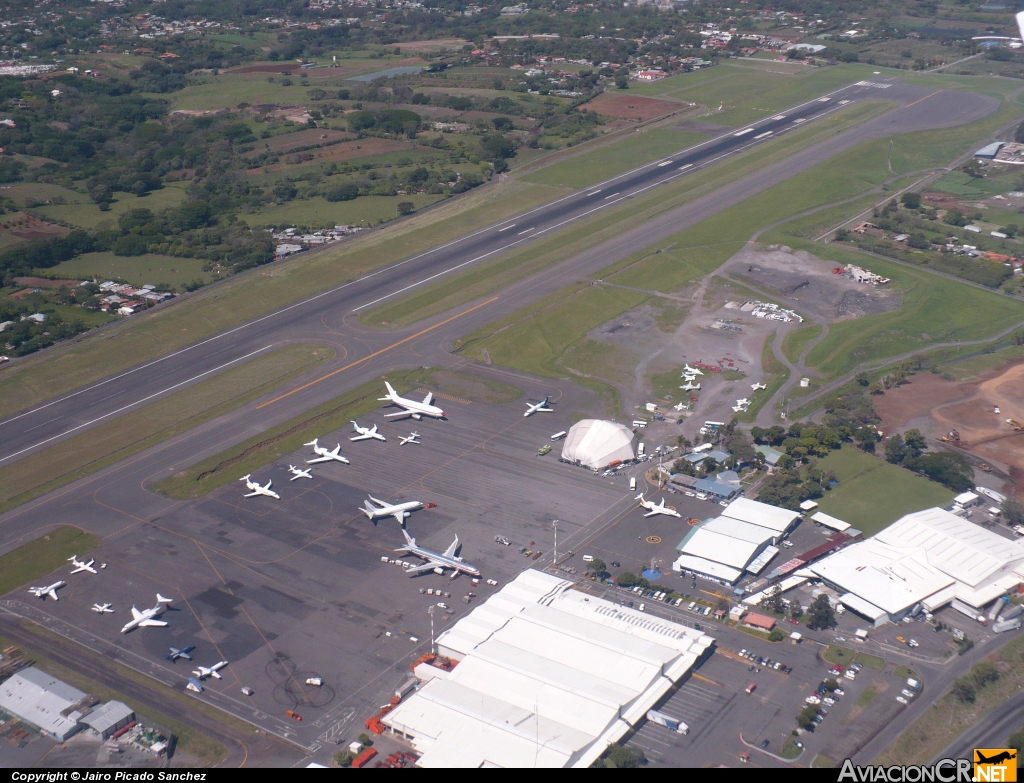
{"x": 588, "y": 558}
{"x": 632, "y": 483}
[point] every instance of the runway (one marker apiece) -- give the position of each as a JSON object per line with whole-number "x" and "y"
{"x": 332, "y": 312}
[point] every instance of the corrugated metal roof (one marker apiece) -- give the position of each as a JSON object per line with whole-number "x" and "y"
{"x": 772, "y": 517}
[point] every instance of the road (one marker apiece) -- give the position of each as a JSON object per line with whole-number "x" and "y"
{"x": 44, "y": 425}
{"x": 991, "y": 732}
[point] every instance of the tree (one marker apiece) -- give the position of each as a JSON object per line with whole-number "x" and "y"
{"x": 625, "y": 758}
{"x": 1013, "y": 511}
{"x": 895, "y": 449}
{"x": 945, "y": 467}
{"x": 776, "y": 635}
{"x": 911, "y": 200}
{"x": 915, "y": 441}
{"x": 406, "y": 207}
{"x": 773, "y": 601}
{"x": 364, "y": 740}
{"x": 622, "y": 83}
{"x": 963, "y": 690}
{"x": 342, "y": 758}
{"x": 984, "y": 673}
{"x": 598, "y": 567}
{"x": 129, "y": 245}
{"x": 821, "y": 612}
{"x": 502, "y": 124}
{"x": 345, "y": 192}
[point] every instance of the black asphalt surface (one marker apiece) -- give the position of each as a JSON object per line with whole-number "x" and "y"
{"x": 44, "y": 425}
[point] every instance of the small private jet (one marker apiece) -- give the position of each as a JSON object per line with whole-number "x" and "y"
{"x": 323, "y": 454}
{"x": 436, "y": 562}
{"x": 413, "y": 438}
{"x": 80, "y": 566}
{"x": 544, "y": 406}
{"x": 146, "y": 618}
{"x": 42, "y": 592}
{"x": 365, "y": 433}
{"x": 298, "y": 473}
{"x": 175, "y": 653}
{"x": 203, "y": 671}
{"x": 688, "y": 370}
{"x": 398, "y": 510}
{"x": 102, "y": 608}
{"x": 758, "y": 386}
{"x": 410, "y": 407}
{"x": 656, "y": 508}
{"x": 257, "y": 489}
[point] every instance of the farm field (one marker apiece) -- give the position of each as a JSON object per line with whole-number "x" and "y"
{"x": 84, "y": 213}
{"x": 872, "y": 494}
{"x": 150, "y": 268}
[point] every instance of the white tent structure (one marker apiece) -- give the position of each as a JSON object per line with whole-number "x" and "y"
{"x": 596, "y": 444}
{"x": 547, "y": 676}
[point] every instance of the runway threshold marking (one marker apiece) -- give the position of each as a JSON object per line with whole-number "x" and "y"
{"x": 133, "y": 404}
{"x": 375, "y": 354}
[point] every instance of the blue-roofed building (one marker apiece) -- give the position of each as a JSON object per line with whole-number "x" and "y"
{"x": 718, "y": 489}
{"x": 771, "y": 456}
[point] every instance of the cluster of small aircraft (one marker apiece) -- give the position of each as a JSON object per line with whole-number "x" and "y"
{"x": 743, "y": 404}
{"x": 690, "y": 374}
{"x": 78, "y": 567}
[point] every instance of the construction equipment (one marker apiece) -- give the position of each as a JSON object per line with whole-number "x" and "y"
{"x": 1017, "y": 426}
{"x": 293, "y": 715}
{"x": 985, "y": 467}
{"x": 951, "y": 437}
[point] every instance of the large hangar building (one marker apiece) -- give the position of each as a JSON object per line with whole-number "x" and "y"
{"x": 596, "y": 444}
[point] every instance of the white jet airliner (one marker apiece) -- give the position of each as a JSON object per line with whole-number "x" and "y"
{"x": 323, "y": 455}
{"x": 436, "y": 562}
{"x": 365, "y": 433}
{"x": 412, "y": 408}
{"x": 42, "y": 592}
{"x": 398, "y": 510}
{"x": 257, "y": 489}
{"x": 298, "y": 473}
{"x": 541, "y": 407}
{"x": 144, "y": 619}
{"x": 80, "y": 566}
{"x": 210, "y": 671}
{"x": 656, "y": 508}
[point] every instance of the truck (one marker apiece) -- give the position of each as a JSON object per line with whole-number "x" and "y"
{"x": 632, "y": 484}
{"x": 752, "y": 687}
{"x": 559, "y": 435}
{"x": 913, "y": 684}
{"x": 640, "y": 449}
{"x": 668, "y": 722}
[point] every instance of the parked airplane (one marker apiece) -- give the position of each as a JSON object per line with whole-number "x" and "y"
{"x": 365, "y": 433}
{"x": 399, "y": 510}
{"x": 203, "y": 672}
{"x": 541, "y": 407}
{"x": 257, "y": 489}
{"x": 102, "y": 608}
{"x": 42, "y": 592}
{"x": 412, "y": 408}
{"x": 323, "y": 455}
{"x": 80, "y": 566}
{"x": 656, "y": 508}
{"x": 758, "y": 386}
{"x": 175, "y": 653}
{"x": 688, "y": 370}
{"x": 744, "y": 402}
{"x": 297, "y": 473}
{"x": 679, "y": 406}
{"x": 144, "y": 619}
{"x": 413, "y": 438}
{"x": 690, "y": 386}
{"x": 194, "y": 685}
{"x": 436, "y": 562}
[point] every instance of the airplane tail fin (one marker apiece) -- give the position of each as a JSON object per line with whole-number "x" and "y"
{"x": 408, "y": 539}
{"x": 161, "y": 600}
{"x": 391, "y": 391}
{"x": 245, "y": 477}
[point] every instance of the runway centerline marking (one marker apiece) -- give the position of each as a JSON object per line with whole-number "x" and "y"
{"x": 375, "y": 354}
{"x": 133, "y": 404}
{"x": 527, "y": 231}
{"x": 506, "y": 228}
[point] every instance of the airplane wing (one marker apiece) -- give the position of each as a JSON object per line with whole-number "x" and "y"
{"x": 319, "y": 459}
{"x": 136, "y": 614}
{"x": 399, "y": 413}
{"x": 400, "y": 516}
{"x": 79, "y": 570}
{"x": 450, "y": 551}
{"x": 423, "y": 568}
{"x": 252, "y": 494}
{"x": 361, "y": 437}
{"x": 53, "y": 594}
{"x": 650, "y": 513}
{"x": 151, "y": 623}
{"x": 429, "y": 398}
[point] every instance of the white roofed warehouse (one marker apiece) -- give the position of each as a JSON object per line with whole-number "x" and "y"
{"x": 596, "y": 444}
{"x": 547, "y": 676}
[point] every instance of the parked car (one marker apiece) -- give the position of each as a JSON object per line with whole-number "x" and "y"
{"x": 829, "y": 701}
{"x": 777, "y": 665}
{"x": 901, "y": 700}
{"x": 743, "y": 653}
{"x": 765, "y": 744}
{"x": 838, "y": 692}
{"x": 908, "y": 693}
{"x": 812, "y": 699}
{"x": 912, "y": 643}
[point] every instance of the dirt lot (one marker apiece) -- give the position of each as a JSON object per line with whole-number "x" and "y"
{"x": 303, "y": 138}
{"x": 935, "y": 406}
{"x": 345, "y": 151}
{"x": 631, "y": 107}
{"x": 26, "y": 227}
{"x": 806, "y": 283}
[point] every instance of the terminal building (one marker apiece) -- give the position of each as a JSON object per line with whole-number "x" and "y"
{"x": 741, "y": 540}
{"x": 923, "y": 561}
{"x": 545, "y": 676}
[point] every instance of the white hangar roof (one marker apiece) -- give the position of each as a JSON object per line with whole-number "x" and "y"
{"x": 771, "y": 517}
{"x": 547, "y": 677}
{"x": 596, "y": 443}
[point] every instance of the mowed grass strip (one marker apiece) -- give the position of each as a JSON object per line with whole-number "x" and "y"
{"x": 794, "y": 343}
{"x": 133, "y": 432}
{"x": 872, "y": 494}
{"x": 189, "y": 740}
{"x": 37, "y": 558}
{"x": 248, "y": 296}
{"x": 261, "y": 450}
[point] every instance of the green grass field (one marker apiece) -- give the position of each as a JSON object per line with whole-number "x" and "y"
{"x": 318, "y": 211}
{"x": 261, "y": 450}
{"x": 794, "y": 343}
{"x": 635, "y": 150}
{"x": 32, "y": 561}
{"x": 138, "y": 270}
{"x": 957, "y": 183}
{"x": 83, "y": 212}
{"x": 872, "y": 494}
{"x": 135, "y": 431}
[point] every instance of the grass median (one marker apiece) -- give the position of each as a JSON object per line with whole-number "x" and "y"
{"x": 267, "y": 447}
{"x": 105, "y": 444}
{"x": 44, "y": 555}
